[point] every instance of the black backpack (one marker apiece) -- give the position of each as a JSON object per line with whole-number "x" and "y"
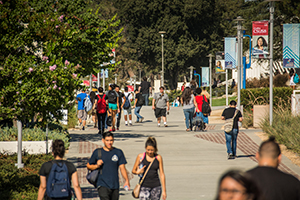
{"x": 112, "y": 96}
{"x": 205, "y": 107}
{"x": 141, "y": 100}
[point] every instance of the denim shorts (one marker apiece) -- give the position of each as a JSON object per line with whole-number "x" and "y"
{"x": 127, "y": 111}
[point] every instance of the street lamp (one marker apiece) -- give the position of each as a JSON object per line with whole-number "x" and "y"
{"x": 162, "y": 56}
{"x": 272, "y": 8}
{"x": 210, "y": 56}
{"x": 116, "y": 75}
{"x": 239, "y": 20}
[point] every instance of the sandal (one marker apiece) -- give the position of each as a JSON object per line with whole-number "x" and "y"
{"x": 188, "y": 129}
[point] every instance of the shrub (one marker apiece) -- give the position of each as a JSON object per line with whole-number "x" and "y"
{"x": 257, "y": 83}
{"x": 21, "y": 183}
{"x": 286, "y": 128}
{"x": 173, "y": 94}
{"x": 34, "y": 134}
{"x": 280, "y": 80}
{"x": 247, "y": 118}
{"x": 260, "y": 96}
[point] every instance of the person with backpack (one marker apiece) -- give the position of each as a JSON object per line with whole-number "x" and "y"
{"x": 161, "y": 105}
{"x": 292, "y": 76}
{"x": 111, "y": 160}
{"x": 101, "y": 108}
{"x": 82, "y": 113}
{"x": 121, "y": 103}
{"x": 202, "y": 107}
{"x": 138, "y": 104}
{"x": 127, "y": 106}
{"x": 56, "y": 176}
{"x": 113, "y": 105}
{"x": 232, "y": 133}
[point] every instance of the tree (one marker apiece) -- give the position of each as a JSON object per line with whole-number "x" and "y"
{"x": 45, "y": 47}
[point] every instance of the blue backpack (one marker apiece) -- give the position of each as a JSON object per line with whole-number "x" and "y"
{"x": 58, "y": 183}
{"x": 296, "y": 78}
{"x": 127, "y": 102}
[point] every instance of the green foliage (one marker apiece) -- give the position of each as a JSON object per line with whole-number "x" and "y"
{"x": 260, "y": 96}
{"x": 280, "y": 80}
{"x": 34, "y": 134}
{"x": 285, "y": 128}
{"x": 44, "y": 48}
{"x": 20, "y": 183}
{"x": 220, "y": 91}
{"x": 173, "y": 94}
{"x": 257, "y": 83}
{"x": 222, "y": 101}
{"x": 247, "y": 118}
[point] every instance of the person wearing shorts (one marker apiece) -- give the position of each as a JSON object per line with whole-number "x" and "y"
{"x": 82, "y": 114}
{"x": 112, "y": 99}
{"x": 161, "y": 107}
{"x": 128, "y": 110}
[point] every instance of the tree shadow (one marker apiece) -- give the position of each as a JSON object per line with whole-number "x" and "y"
{"x": 245, "y": 156}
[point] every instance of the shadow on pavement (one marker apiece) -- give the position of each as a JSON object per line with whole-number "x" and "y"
{"x": 245, "y": 156}
{"x": 89, "y": 192}
{"x": 85, "y": 137}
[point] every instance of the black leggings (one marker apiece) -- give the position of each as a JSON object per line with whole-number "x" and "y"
{"x": 101, "y": 121}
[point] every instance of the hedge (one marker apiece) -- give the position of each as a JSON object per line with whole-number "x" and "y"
{"x": 34, "y": 134}
{"x": 260, "y": 96}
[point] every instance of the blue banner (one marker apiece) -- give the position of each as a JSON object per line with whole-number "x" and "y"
{"x": 230, "y": 52}
{"x": 291, "y": 45}
{"x": 205, "y": 76}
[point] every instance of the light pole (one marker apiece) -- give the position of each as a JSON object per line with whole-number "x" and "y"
{"x": 239, "y": 20}
{"x": 210, "y": 56}
{"x": 19, "y": 164}
{"x": 191, "y": 72}
{"x": 272, "y": 8}
{"x": 134, "y": 82}
{"x": 162, "y": 56}
{"x": 116, "y": 80}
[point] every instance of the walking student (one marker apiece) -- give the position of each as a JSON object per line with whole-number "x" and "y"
{"x": 100, "y": 103}
{"x": 273, "y": 183}
{"x": 138, "y": 103}
{"x": 94, "y": 111}
{"x": 231, "y": 137}
{"x": 82, "y": 114}
{"x": 145, "y": 89}
{"x": 121, "y": 103}
{"x": 187, "y": 100}
{"x": 198, "y": 102}
{"x": 161, "y": 105}
{"x": 113, "y": 105}
{"x": 127, "y": 107}
{"x": 154, "y": 185}
{"x": 67, "y": 173}
{"x": 111, "y": 160}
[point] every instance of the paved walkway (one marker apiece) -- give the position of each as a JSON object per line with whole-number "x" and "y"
{"x": 193, "y": 161}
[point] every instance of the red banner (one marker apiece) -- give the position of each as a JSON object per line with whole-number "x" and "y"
{"x": 260, "y": 28}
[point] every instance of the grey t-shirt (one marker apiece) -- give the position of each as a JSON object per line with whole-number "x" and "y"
{"x": 161, "y": 101}
{"x": 190, "y": 104}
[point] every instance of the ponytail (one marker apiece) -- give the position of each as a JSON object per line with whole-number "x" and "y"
{"x": 151, "y": 141}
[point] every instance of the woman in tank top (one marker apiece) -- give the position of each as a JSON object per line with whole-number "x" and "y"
{"x": 154, "y": 184}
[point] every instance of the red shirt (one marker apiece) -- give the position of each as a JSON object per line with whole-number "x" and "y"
{"x": 199, "y": 101}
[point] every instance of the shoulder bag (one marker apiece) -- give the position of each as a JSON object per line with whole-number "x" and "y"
{"x": 228, "y": 126}
{"x": 137, "y": 189}
{"x": 92, "y": 176}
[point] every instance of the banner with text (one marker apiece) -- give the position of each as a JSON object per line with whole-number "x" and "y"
{"x": 205, "y": 76}
{"x": 291, "y": 46}
{"x": 220, "y": 62}
{"x": 230, "y": 52}
{"x": 260, "y": 38}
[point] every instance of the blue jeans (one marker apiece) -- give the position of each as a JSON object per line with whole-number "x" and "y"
{"x": 137, "y": 113}
{"x": 231, "y": 141}
{"x": 188, "y": 114}
{"x": 146, "y": 97}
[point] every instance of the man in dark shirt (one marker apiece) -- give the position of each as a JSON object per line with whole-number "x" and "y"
{"x": 274, "y": 184}
{"x": 138, "y": 103}
{"x": 145, "y": 88}
{"x": 121, "y": 103}
{"x": 231, "y": 136}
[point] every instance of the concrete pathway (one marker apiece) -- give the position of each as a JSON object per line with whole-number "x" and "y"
{"x": 193, "y": 161}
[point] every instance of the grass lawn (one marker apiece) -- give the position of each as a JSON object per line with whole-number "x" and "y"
{"x": 222, "y": 102}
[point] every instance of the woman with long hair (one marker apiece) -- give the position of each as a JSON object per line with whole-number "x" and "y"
{"x": 236, "y": 185}
{"x": 187, "y": 101}
{"x": 154, "y": 185}
{"x": 58, "y": 151}
{"x": 292, "y": 75}
{"x": 94, "y": 111}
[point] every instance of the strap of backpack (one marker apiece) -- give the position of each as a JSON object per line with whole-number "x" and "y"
{"x": 236, "y": 112}
{"x": 99, "y": 157}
